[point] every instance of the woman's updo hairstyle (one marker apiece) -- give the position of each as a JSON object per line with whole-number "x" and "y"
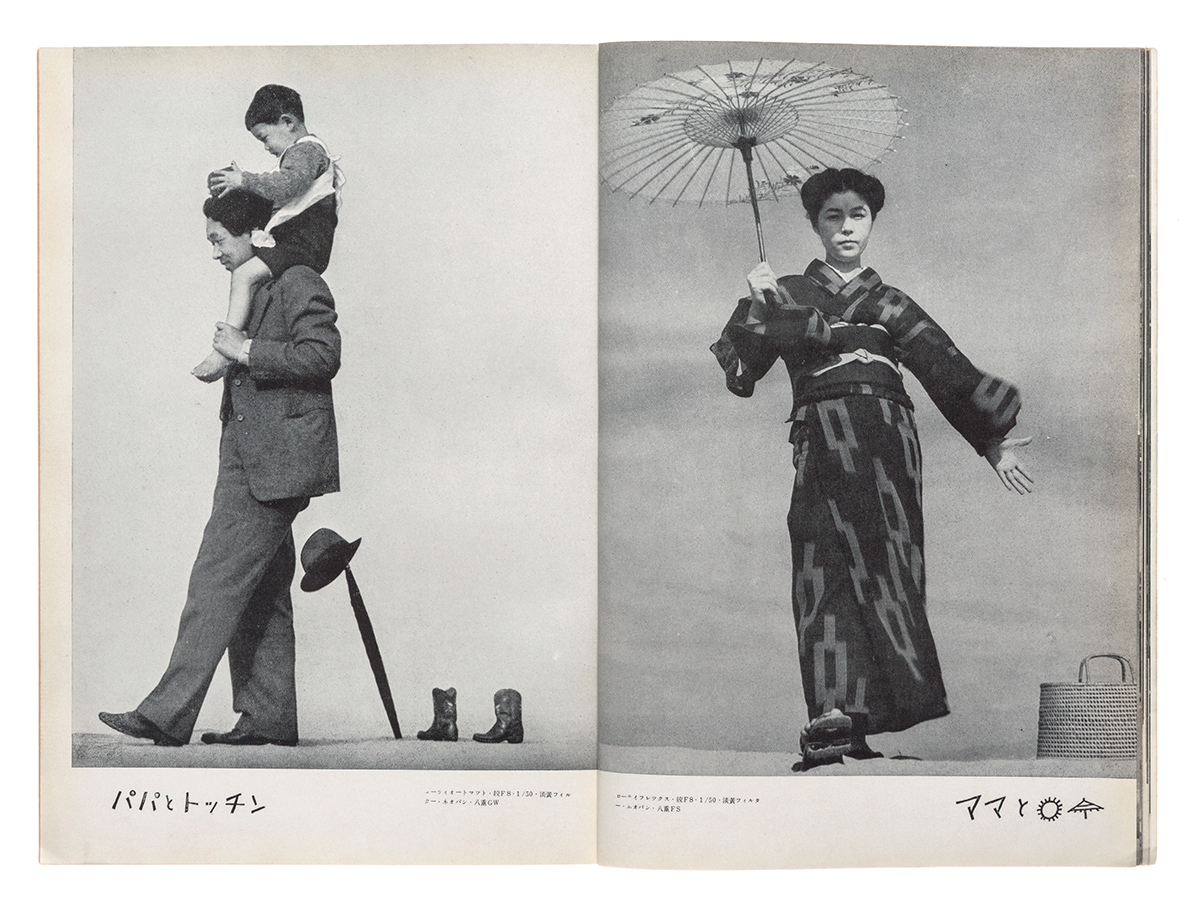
{"x": 815, "y": 191}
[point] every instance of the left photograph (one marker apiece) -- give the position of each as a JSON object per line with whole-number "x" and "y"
{"x": 333, "y": 461}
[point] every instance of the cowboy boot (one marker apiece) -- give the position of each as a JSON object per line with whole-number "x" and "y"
{"x": 508, "y": 719}
{"x": 445, "y": 716}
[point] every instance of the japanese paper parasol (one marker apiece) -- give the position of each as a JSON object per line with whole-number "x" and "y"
{"x": 680, "y": 137}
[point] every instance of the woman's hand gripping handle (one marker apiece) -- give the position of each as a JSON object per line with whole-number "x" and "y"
{"x": 764, "y": 286}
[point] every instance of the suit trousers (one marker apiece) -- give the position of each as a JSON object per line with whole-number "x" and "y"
{"x": 239, "y": 600}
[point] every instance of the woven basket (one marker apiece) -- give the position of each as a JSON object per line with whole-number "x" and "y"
{"x": 1087, "y": 720}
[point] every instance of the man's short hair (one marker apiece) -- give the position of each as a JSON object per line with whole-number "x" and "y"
{"x": 240, "y": 211}
{"x": 270, "y": 103}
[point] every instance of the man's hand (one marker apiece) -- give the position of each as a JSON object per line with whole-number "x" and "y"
{"x": 222, "y": 181}
{"x": 764, "y": 287}
{"x": 228, "y": 340}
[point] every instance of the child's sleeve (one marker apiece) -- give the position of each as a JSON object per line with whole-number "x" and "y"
{"x": 300, "y": 165}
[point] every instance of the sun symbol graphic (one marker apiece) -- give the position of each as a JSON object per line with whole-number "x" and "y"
{"x": 1050, "y": 809}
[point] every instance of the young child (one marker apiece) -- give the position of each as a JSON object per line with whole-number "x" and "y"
{"x": 305, "y": 191}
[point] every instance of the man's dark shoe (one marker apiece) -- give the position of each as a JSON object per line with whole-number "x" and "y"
{"x": 245, "y": 739}
{"x": 135, "y": 724}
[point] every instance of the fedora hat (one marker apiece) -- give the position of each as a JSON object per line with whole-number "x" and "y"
{"x": 324, "y": 555}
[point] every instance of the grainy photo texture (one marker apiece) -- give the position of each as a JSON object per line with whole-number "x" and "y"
{"x": 417, "y": 409}
{"x": 768, "y": 606}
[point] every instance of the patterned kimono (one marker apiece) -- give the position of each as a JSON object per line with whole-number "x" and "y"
{"x": 858, "y": 582}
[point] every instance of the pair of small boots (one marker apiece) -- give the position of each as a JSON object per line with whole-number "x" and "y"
{"x": 508, "y": 727}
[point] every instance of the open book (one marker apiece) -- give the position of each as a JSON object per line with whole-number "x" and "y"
{"x": 556, "y": 492}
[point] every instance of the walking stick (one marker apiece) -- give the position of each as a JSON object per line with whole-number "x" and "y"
{"x": 368, "y": 637}
{"x": 326, "y": 555}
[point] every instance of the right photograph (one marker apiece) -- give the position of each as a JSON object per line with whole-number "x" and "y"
{"x": 871, "y": 375}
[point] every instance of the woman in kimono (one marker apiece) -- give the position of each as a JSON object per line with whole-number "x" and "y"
{"x": 867, "y": 657}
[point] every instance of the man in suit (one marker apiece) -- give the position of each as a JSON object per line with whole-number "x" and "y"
{"x": 278, "y": 449}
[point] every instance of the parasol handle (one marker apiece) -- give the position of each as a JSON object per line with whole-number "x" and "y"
{"x": 746, "y": 145}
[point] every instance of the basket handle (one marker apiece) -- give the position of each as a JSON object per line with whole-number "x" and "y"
{"x": 1083, "y": 666}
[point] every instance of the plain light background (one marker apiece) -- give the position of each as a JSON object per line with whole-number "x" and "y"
{"x": 1155, "y": 24}
{"x": 463, "y": 273}
{"x": 1011, "y": 218}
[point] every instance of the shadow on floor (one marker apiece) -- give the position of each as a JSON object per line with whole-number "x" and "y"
{"x": 684, "y": 761}
{"x": 116, "y": 751}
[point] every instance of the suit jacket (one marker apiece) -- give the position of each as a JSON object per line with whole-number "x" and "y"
{"x": 281, "y": 405}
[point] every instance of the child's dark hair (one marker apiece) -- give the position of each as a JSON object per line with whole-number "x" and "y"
{"x": 240, "y": 211}
{"x": 270, "y": 103}
{"x": 815, "y": 191}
